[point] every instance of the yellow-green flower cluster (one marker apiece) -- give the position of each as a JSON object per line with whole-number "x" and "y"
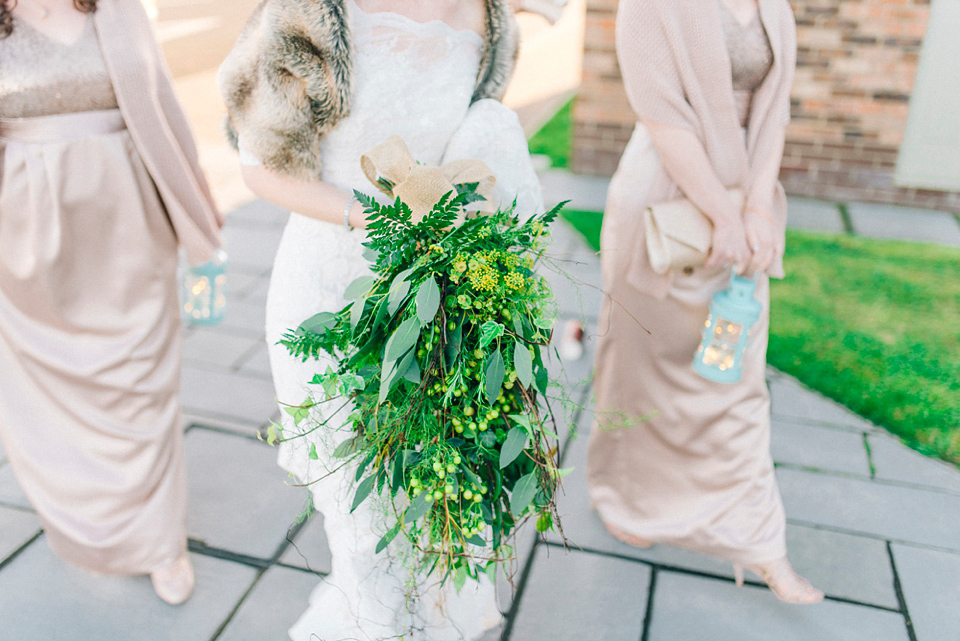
{"x": 514, "y": 281}
{"x": 484, "y": 278}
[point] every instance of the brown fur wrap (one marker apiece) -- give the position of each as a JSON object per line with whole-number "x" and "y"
{"x": 288, "y": 79}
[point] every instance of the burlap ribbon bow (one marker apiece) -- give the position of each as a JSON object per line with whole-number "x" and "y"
{"x": 392, "y": 169}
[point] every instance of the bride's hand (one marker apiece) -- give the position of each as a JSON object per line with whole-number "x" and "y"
{"x": 762, "y": 239}
{"x": 729, "y": 244}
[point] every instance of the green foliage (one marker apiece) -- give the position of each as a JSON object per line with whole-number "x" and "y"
{"x": 554, "y": 139}
{"x": 440, "y": 352}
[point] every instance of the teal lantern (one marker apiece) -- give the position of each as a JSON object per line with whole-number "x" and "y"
{"x": 732, "y": 313}
{"x": 205, "y": 291}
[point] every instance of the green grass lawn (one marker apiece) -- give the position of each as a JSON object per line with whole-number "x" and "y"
{"x": 874, "y": 325}
{"x": 554, "y": 139}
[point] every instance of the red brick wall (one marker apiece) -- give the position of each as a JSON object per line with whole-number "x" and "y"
{"x": 856, "y": 66}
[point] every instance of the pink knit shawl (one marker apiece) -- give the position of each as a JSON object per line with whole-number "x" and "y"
{"x": 676, "y": 70}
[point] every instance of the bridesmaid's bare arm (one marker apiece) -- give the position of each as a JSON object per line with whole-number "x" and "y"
{"x": 318, "y": 199}
{"x": 686, "y": 162}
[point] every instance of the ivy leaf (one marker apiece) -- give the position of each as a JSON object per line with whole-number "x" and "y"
{"x": 313, "y": 452}
{"x": 512, "y": 446}
{"x": 387, "y": 538}
{"x": 298, "y": 413}
{"x": 522, "y": 495}
{"x": 402, "y": 340}
{"x": 428, "y": 300}
{"x": 544, "y": 522}
{"x": 490, "y": 331}
{"x": 543, "y": 323}
{"x": 418, "y": 509}
{"x": 359, "y": 288}
{"x": 492, "y": 572}
{"x": 494, "y": 375}
{"x": 399, "y": 289}
{"x": 319, "y": 323}
{"x": 523, "y": 363}
{"x": 364, "y": 489}
{"x": 356, "y": 312}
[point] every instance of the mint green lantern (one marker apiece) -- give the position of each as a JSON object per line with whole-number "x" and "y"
{"x": 205, "y": 291}
{"x": 726, "y": 332}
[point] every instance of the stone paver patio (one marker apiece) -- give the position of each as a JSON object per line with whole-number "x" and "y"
{"x": 874, "y": 524}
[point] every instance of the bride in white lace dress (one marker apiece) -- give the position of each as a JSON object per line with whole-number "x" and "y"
{"x": 415, "y": 75}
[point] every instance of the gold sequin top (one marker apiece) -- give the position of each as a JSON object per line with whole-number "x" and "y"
{"x": 42, "y": 76}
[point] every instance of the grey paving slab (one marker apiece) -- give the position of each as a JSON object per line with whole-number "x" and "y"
{"x": 817, "y": 447}
{"x": 252, "y": 247}
{"x": 238, "y": 499}
{"x": 215, "y": 346}
{"x": 587, "y": 193}
{"x": 276, "y": 601}
{"x": 245, "y": 316}
{"x": 574, "y": 273}
{"x": 258, "y": 293}
{"x": 238, "y": 284}
{"x": 904, "y": 223}
{"x": 895, "y": 461}
{"x": 690, "y": 607}
{"x": 931, "y": 588}
{"x": 257, "y": 363}
{"x": 258, "y": 213}
{"x": 574, "y": 596}
{"x": 219, "y": 423}
{"x": 791, "y": 400}
{"x": 813, "y": 215}
{"x": 893, "y": 512}
{"x": 10, "y": 491}
{"x": 843, "y": 565}
{"x": 231, "y": 395}
{"x": 3, "y": 455}
{"x": 309, "y": 549}
{"x": 16, "y": 528}
{"x": 43, "y": 598}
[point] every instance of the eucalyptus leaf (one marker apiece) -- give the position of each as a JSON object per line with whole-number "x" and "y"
{"x": 459, "y": 578}
{"x": 492, "y": 572}
{"x": 512, "y": 446}
{"x": 523, "y": 363}
{"x": 476, "y": 540}
{"x": 370, "y": 254}
{"x": 399, "y": 289}
{"x": 522, "y": 421}
{"x": 356, "y": 312}
{"x": 402, "y": 340}
{"x": 346, "y": 448}
{"x": 319, "y": 323}
{"x": 494, "y": 375}
{"x": 418, "y": 509}
{"x": 363, "y": 491}
{"x": 388, "y": 538}
{"x": 387, "y": 377}
{"x": 359, "y": 288}
{"x": 523, "y": 492}
{"x": 542, "y": 380}
{"x": 428, "y": 300}
{"x": 412, "y": 371}
{"x": 396, "y": 482}
{"x": 490, "y": 331}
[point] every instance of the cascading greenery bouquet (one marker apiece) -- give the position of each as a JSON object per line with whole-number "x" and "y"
{"x": 441, "y": 353}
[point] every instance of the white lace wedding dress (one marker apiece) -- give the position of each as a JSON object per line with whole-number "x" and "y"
{"x": 414, "y": 80}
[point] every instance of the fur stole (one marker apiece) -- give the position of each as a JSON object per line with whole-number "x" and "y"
{"x": 288, "y": 80}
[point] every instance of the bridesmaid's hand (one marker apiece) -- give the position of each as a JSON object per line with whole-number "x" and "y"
{"x": 762, "y": 239}
{"x": 729, "y": 244}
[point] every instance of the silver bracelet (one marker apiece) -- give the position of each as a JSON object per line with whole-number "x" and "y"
{"x": 346, "y": 211}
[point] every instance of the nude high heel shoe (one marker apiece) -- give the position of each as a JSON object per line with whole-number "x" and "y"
{"x": 173, "y": 582}
{"x": 786, "y": 585}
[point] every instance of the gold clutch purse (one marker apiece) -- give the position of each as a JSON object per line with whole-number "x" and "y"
{"x": 678, "y": 234}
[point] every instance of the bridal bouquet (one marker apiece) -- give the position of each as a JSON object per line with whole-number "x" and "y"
{"x": 441, "y": 353}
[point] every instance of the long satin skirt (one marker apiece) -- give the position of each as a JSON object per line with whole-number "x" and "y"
{"x": 90, "y": 342}
{"x": 675, "y": 458}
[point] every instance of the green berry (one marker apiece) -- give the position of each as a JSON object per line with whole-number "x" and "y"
{"x": 451, "y": 468}
{"x": 478, "y": 353}
{"x": 468, "y": 495}
{"x": 451, "y": 326}
{"x": 438, "y": 495}
{"x": 469, "y": 411}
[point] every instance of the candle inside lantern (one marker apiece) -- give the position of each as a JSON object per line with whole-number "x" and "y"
{"x": 205, "y": 291}
{"x": 719, "y": 357}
